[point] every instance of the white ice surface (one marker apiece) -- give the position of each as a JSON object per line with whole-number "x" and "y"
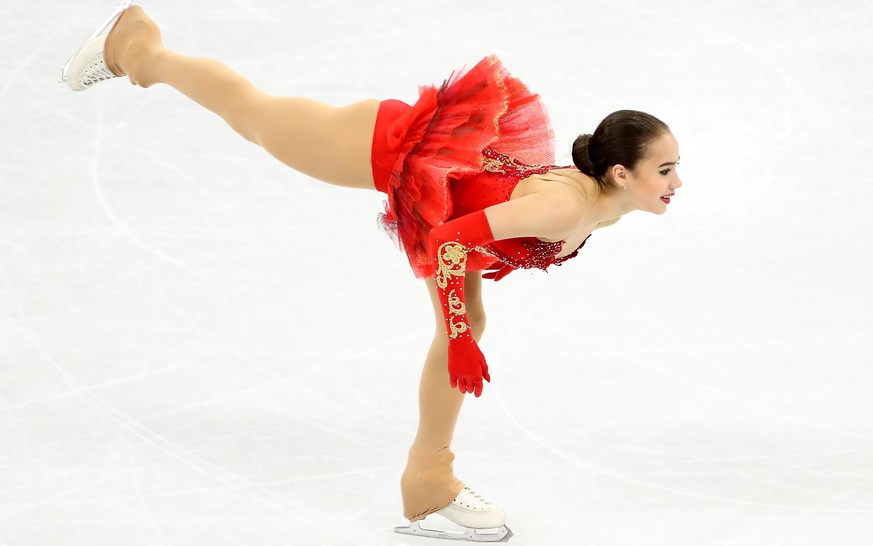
{"x": 200, "y": 347}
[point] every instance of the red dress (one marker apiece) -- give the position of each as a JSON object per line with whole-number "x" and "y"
{"x": 460, "y": 149}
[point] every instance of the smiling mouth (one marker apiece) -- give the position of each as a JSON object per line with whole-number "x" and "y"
{"x": 666, "y": 198}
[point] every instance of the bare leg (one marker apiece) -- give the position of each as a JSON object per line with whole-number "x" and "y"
{"x": 428, "y": 483}
{"x": 330, "y": 143}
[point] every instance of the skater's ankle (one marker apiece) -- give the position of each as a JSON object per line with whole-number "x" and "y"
{"x": 146, "y": 71}
{"x": 132, "y": 46}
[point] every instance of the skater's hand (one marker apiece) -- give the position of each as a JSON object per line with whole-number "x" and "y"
{"x": 467, "y": 366}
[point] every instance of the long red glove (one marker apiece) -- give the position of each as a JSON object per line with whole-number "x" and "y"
{"x": 449, "y": 245}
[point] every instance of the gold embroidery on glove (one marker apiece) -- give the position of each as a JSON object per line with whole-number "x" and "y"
{"x": 452, "y": 262}
{"x": 458, "y": 328}
{"x": 456, "y": 308}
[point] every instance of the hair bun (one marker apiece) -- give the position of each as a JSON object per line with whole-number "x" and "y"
{"x": 622, "y": 138}
{"x": 580, "y": 154}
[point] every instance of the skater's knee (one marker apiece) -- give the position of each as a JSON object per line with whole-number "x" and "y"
{"x": 475, "y": 308}
{"x": 477, "y": 321}
{"x": 476, "y": 316}
{"x": 246, "y": 111}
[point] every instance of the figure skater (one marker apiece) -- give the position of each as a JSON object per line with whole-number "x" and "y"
{"x": 470, "y": 188}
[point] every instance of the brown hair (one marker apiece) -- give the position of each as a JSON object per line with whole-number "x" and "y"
{"x": 620, "y": 139}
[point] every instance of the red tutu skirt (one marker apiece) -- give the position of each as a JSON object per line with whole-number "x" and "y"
{"x": 421, "y": 151}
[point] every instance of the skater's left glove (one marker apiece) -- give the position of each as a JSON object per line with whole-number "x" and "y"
{"x": 498, "y": 272}
{"x": 449, "y": 245}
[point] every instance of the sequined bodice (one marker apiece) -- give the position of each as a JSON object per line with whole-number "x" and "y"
{"x": 493, "y": 186}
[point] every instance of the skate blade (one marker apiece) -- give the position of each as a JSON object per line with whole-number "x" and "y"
{"x": 501, "y": 534}
{"x": 104, "y": 27}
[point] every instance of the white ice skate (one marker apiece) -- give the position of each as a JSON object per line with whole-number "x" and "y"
{"x": 87, "y": 67}
{"x": 476, "y": 519}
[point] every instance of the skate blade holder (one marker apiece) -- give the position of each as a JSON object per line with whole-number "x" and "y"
{"x": 500, "y": 534}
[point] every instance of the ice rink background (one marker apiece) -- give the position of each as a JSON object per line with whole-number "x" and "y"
{"x": 200, "y": 347}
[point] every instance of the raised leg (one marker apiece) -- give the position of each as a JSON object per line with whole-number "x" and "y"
{"x": 428, "y": 483}
{"x": 329, "y": 143}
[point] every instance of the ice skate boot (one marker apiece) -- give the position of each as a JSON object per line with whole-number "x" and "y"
{"x": 88, "y": 66}
{"x": 475, "y": 519}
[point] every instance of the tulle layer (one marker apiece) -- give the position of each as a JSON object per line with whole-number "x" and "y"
{"x": 441, "y": 138}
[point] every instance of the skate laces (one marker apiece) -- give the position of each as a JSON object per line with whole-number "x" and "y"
{"x": 87, "y": 66}
{"x": 95, "y": 72}
{"x": 473, "y": 501}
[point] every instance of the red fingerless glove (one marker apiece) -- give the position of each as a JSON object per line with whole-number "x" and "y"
{"x": 498, "y": 272}
{"x": 449, "y": 245}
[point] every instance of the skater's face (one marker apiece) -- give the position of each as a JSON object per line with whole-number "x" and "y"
{"x": 653, "y": 181}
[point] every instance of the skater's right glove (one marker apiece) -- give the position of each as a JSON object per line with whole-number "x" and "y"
{"x": 449, "y": 245}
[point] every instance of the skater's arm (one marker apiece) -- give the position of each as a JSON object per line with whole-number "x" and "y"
{"x": 547, "y": 215}
{"x": 449, "y": 245}
{"x": 550, "y": 216}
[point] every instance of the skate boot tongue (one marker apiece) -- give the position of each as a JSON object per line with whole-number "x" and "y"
{"x": 469, "y": 509}
{"x": 471, "y": 500}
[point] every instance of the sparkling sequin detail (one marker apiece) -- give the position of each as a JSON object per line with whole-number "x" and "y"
{"x": 452, "y": 257}
{"x": 502, "y": 174}
{"x": 456, "y": 309}
{"x": 498, "y": 163}
{"x": 452, "y": 262}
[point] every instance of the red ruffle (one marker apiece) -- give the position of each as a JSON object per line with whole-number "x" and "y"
{"x": 442, "y": 136}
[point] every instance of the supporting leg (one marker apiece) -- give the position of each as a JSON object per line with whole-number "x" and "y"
{"x": 428, "y": 483}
